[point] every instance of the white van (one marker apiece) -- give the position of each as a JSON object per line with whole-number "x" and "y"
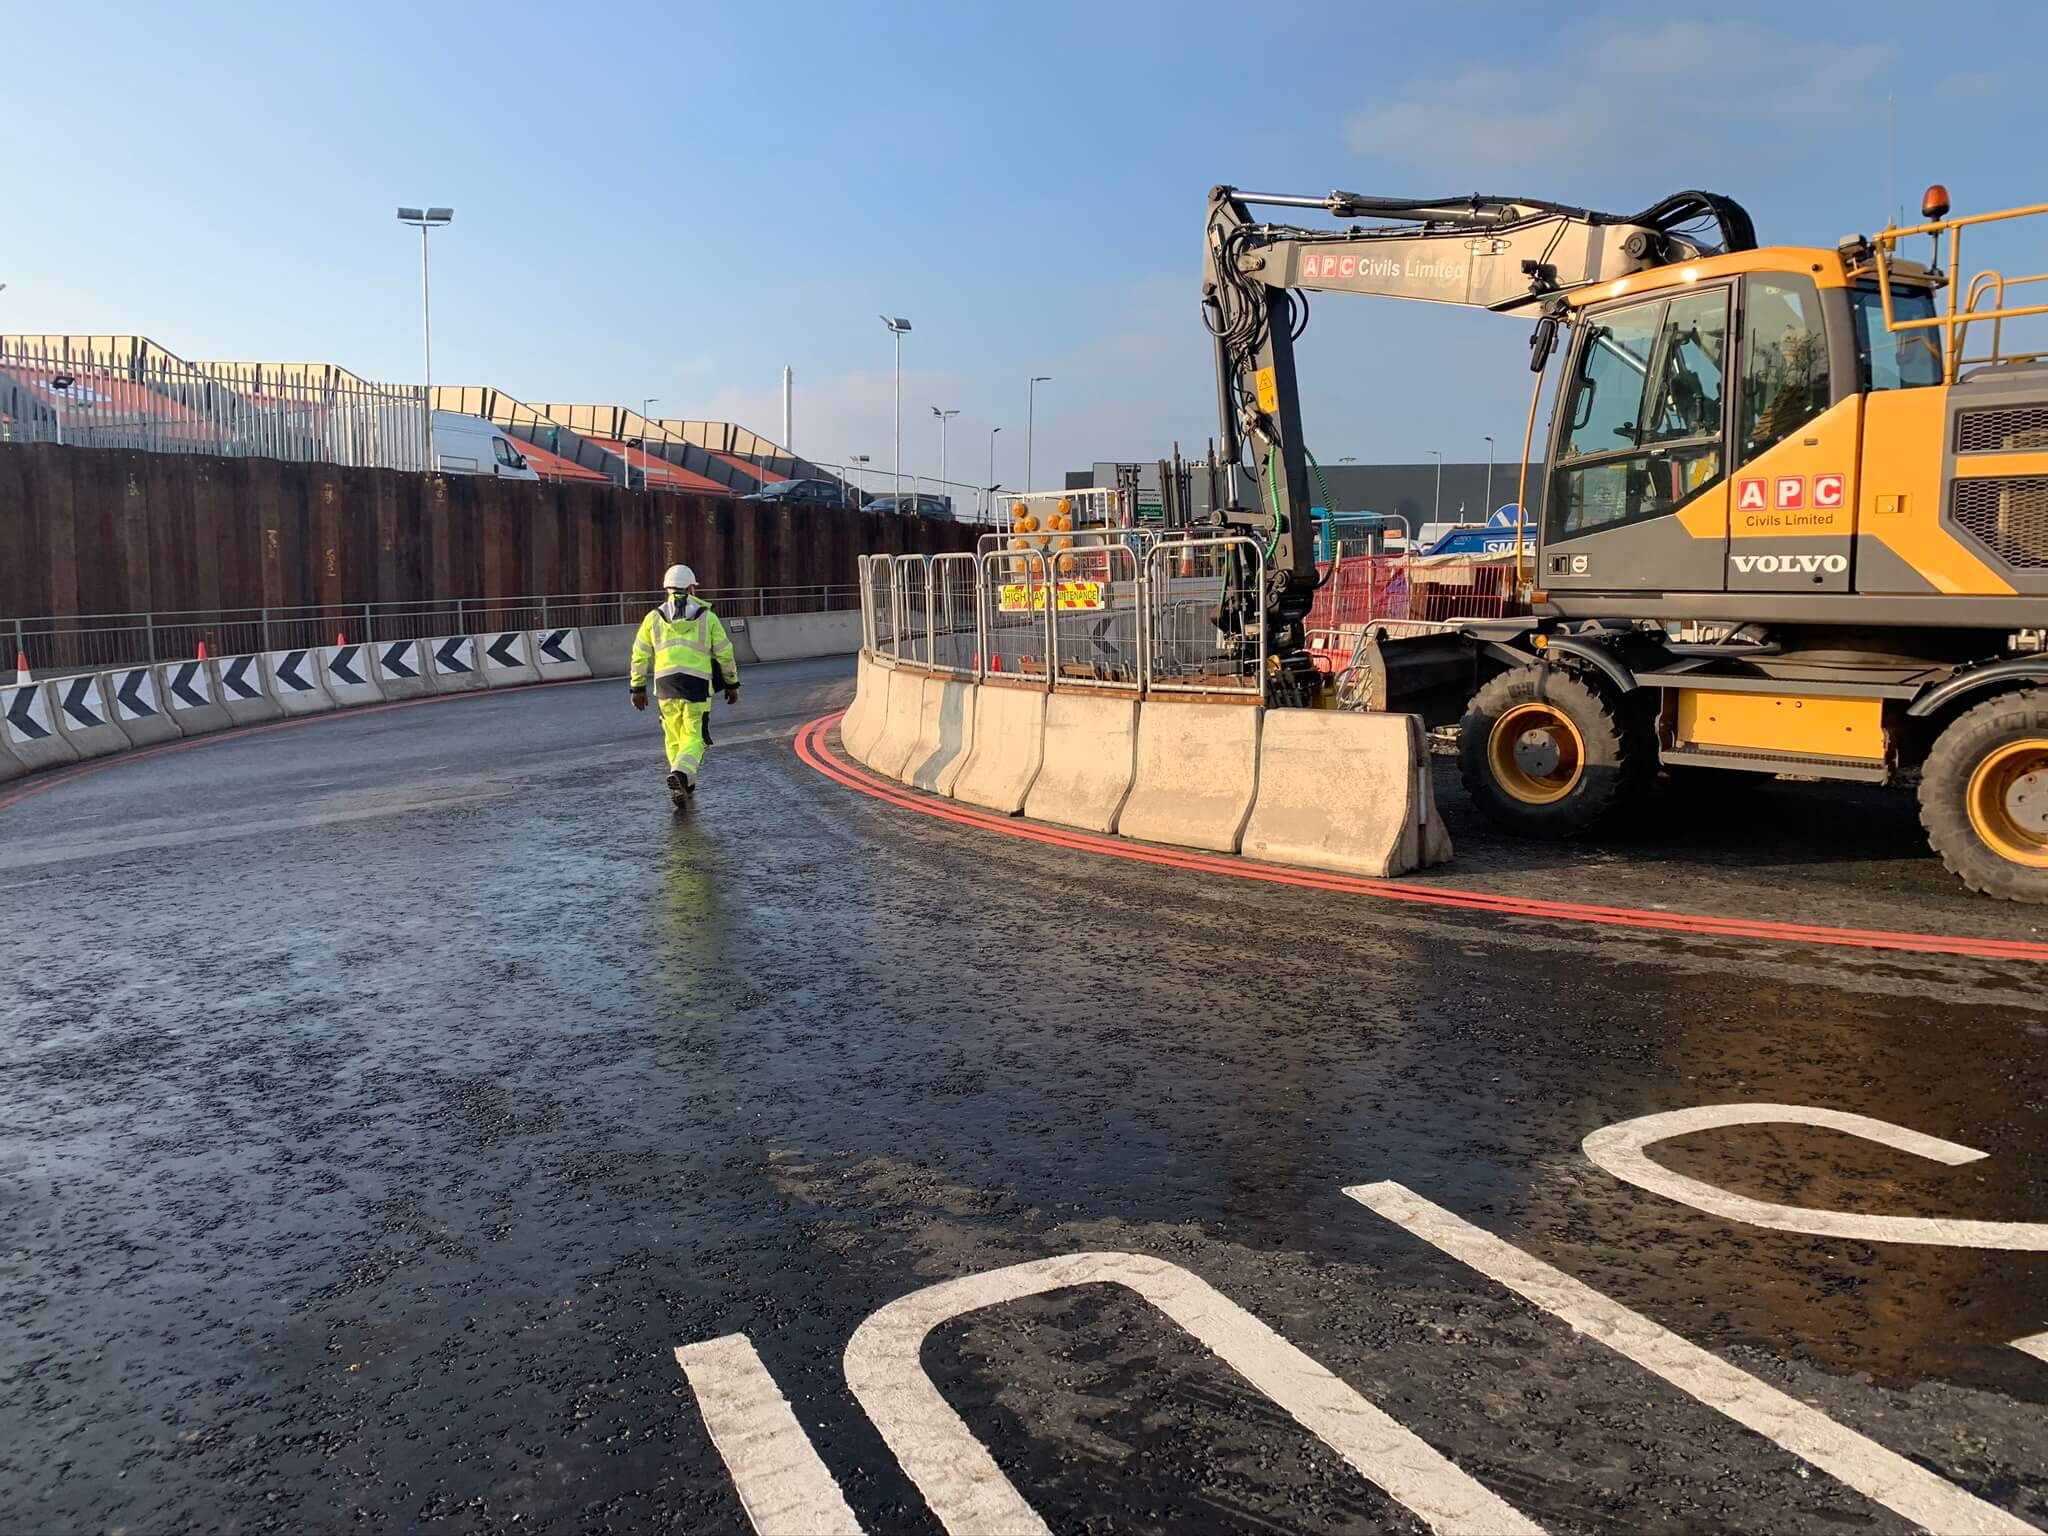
{"x": 469, "y": 445}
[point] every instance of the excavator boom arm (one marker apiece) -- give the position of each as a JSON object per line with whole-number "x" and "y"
{"x": 1499, "y": 254}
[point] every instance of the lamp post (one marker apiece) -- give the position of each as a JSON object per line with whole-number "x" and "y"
{"x": 851, "y": 460}
{"x": 1436, "y": 514}
{"x": 992, "y": 431}
{"x": 425, "y": 220}
{"x": 897, "y": 327}
{"x": 1031, "y": 423}
{"x": 944, "y": 418}
{"x": 1489, "y": 479}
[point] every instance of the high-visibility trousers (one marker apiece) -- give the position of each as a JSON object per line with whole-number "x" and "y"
{"x": 682, "y": 732}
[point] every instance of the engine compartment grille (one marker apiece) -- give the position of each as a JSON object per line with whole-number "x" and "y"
{"x": 2009, "y": 513}
{"x": 2002, "y": 431}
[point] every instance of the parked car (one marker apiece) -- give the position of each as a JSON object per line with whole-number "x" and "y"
{"x": 470, "y": 445}
{"x": 809, "y": 492}
{"x": 937, "y": 507}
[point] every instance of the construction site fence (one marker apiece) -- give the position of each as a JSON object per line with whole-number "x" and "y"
{"x": 1107, "y": 615}
{"x": 97, "y": 642}
{"x": 153, "y": 403}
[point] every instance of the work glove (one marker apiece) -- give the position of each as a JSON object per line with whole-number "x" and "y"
{"x": 639, "y": 698}
{"x": 732, "y": 694}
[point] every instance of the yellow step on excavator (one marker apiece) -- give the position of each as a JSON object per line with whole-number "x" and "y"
{"x": 1793, "y": 518}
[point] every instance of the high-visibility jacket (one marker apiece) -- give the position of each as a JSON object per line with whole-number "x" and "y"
{"x": 681, "y": 639}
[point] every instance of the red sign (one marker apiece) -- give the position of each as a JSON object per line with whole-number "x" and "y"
{"x": 1827, "y": 490}
{"x": 1791, "y": 492}
{"x": 1750, "y": 497}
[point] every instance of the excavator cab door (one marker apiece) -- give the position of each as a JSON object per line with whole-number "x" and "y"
{"x": 1638, "y": 497}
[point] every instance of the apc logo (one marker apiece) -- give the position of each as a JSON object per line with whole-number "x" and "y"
{"x": 1789, "y": 565}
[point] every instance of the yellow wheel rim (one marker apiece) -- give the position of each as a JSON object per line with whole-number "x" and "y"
{"x": 1536, "y": 753}
{"x": 2008, "y": 801}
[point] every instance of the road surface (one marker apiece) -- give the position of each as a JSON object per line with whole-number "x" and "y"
{"x": 386, "y": 1100}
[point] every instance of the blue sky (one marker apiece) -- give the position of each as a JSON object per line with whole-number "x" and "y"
{"x": 678, "y": 200}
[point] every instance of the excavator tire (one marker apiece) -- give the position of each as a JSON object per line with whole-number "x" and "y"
{"x": 1984, "y": 796}
{"x": 1550, "y": 752}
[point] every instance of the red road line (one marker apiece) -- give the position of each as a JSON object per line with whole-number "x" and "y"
{"x": 810, "y": 746}
{"x": 37, "y": 783}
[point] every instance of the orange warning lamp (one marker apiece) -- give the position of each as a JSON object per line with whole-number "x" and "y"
{"x": 1934, "y": 203}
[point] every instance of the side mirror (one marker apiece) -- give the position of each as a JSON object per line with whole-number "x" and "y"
{"x": 1542, "y": 342}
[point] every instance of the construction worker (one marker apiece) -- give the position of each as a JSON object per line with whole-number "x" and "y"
{"x": 683, "y": 647}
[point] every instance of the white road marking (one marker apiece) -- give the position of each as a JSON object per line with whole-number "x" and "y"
{"x": 2035, "y": 1344}
{"x": 1881, "y": 1475}
{"x": 968, "y": 1492}
{"x": 1622, "y": 1151}
{"x": 785, "y": 1488}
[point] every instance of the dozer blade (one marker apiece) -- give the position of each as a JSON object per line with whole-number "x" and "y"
{"x": 1427, "y": 675}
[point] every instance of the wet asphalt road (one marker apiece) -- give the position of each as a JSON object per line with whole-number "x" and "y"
{"x": 384, "y": 1099}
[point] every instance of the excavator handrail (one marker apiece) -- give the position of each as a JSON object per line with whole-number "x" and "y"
{"x": 1955, "y": 322}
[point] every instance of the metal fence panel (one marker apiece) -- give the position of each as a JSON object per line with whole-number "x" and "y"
{"x": 1187, "y": 584}
{"x": 1098, "y": 624}
{"x": 956, "y": 644}
{"x": 913, "y": 610}
{"x": 1015, "y": 615}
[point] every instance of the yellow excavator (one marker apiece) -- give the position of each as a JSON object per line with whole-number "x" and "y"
{"x": 1793, "y": 517}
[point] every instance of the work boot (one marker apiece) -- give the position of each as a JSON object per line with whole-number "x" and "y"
{"x": 679, "y": 788}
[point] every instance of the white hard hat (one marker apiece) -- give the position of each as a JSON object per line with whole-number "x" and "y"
{"x": 680, "y": 578}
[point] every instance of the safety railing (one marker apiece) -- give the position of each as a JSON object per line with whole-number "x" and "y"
{"x": 1961, "y": 311}
{"x": 878, "y": 601}
{"x": 95, "y": 642}
{"x": 1205, "y": 616}
{"x": 954, "y": 611}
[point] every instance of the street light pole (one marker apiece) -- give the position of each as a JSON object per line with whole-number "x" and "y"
{"x": 897, "y": 327}
{"x": 992, "y": 431}
{"x": 425, "y": 220}
{"x": 1436, "y": 514}
{"x": 944, "y": 418}
{"x": 1031, "y": 424}
{"x": 1489, "y": 479}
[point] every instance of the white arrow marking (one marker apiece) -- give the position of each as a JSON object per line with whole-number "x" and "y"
{"x": 1883, "y": 1476}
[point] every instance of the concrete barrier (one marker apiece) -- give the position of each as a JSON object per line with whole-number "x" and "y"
{"x": 349, "y": 676}
{"x": 864, "y": 716}
{"x": 1197, "y": 775}
{"x": 451, "y": 659}
{"x": 189, "y": 692}
{"x": 28, "y": 718}
{"x": 11, "y": 767}
{"x": 85, "y": 717}
{"x": 136, "y": 698}
{"x": 244, "y": 690}
{"x": 892, "y": 749}
{"x": 557, "y": 654}
{"x": 1009, "y": 744}
{"x": 608, "y": 648}
{"x": 945, "y": 732}
{"x": 504, "y": 659}
{"x": 1090, "y": 750}
{"x": 795, "y": 636}
{"x": 295, "y": 682}
{"x": 402, "y": 669}
{"x": 741, "y": 633}
{"x": 1345, "y": 791}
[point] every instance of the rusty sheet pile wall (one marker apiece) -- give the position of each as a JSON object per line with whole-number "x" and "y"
{"x": 97, "y": 532}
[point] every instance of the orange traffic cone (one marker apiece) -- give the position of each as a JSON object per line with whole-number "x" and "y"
{"x": 202, "y": 650}
{"x": 340, "y": 638}
{"x": 21, "y": 677}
